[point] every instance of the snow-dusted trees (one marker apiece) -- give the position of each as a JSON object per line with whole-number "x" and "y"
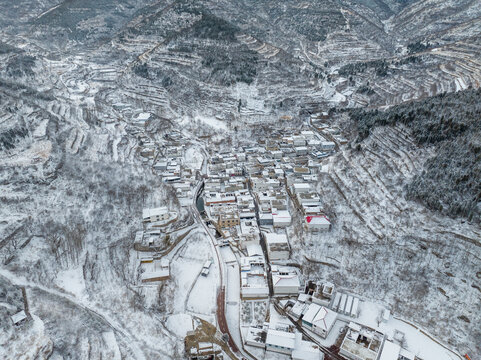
{"x": 66, "y": 241}
{"x": 451, "y": 180}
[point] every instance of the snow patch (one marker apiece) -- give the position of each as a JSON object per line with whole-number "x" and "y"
{"x": 111, "y": 342}
{"x": 180, "y": 324}
{"x": 72, "y": 280}
{"x": 212, "y": 122}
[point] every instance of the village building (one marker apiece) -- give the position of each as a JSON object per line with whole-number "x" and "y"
{"x": 204, "y": 350}
{"x": 319, "y": 320}
{"x": 219, "y": 198}
{"x": 161, "y": 165}
{"x": 160, "y": 214}
{"x": 306, "y": 350}
{"x": 256, "y": 336}
{"x": 280, "y": 341}
{"x": 241, "y": 157}
{"x": 321, "y": 293}
{"x": 298, "y": 140}
{"x": 298, "y": 310}
{"x": 309, "y": 198}
{"x": 281, "y": 218}
{"x": 285, "y": 281}
{"x": 301, "y": 188}
{"x": 19, "y": 317}
{"x": 277, "y": 246}
{"x": 249, "y": 234}
{"x": 308, "y": 134}
{"x": 394, "y": 351}
{"x": 361, "y": 343}
{"x": 253, "y": 277}
{"x": 227, "y": 219}
{"x": 259, "y": 184}
{"x": 265, "y": 219}
{"x": 328, "y": 146}
{"x": 317, "y": 223}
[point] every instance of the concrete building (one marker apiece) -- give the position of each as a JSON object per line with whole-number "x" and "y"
{"x": 259, "y": 184}
{"x": 256, "y": 336}
{"x": 317, "y": 223}
{"x": 277, "y": 246}
{"x": 219, "y": 198}
{"x": 361, "y": 343}
{"x": 305, "y": 350}
{"x": 301, "y": 188}
{"x": 156, "y": 214}
{"x": 301, "y": 150}
{"x": 285, "y": 281}
{"x": 328, "y": 145}
{"x": 319, "y": 319}
{"x": 280, "y": 341}
{"x": 19, "y": 317}
{"x": 281, "y": 218}
{"x": 228, "y": 219}
{"x": 265, "y": 219}
{"x": 253, "y": 278}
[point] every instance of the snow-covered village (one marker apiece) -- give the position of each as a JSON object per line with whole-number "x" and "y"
{"x": 250, "y": 209}
{"x": 245, "y": 180}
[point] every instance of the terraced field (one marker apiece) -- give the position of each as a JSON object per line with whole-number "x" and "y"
{"x": 74, "y": 76}
{"x": 392, "y": 249}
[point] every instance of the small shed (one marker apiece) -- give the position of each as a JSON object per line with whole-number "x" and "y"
{"x": 19, "y": 317}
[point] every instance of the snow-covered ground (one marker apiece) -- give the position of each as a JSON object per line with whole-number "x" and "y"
{"x": 72, "y": 189}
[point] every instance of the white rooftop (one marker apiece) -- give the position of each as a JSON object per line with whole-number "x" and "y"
{"x": 305, "y": 350}
{"x": 317, "y": 220}
{"x": 154, "y": 212}
{"x": 272, "y": 238}
{"x": 324, "y": 318}
{"x": 311, "y": 313}
{"x": 19, "y": 317}
{"x": 254, "y": 249}
{"x": 390, "y": 351}
{"x": 285, "y": 280}
{"x": 281, "y": 338}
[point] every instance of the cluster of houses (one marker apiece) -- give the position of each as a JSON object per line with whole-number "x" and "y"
{"x": 153, "y": 268}
{"x": 257, "y": 181}
{"x": 282, "y": 338}
{"x": 363, "y": 343}
{"x": 319, "y": 306}
{"x": 166, "y": 157}
{"x": 254, "y": 282}
{"x": 325, "y": 128}
{"x": 312, "y": 308}
{"x": 169, "y": 164}
{"x": 251, "y": 195}
{"x": 154, "y": 220}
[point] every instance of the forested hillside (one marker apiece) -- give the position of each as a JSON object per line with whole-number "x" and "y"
{"x": 451, "y": 180}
